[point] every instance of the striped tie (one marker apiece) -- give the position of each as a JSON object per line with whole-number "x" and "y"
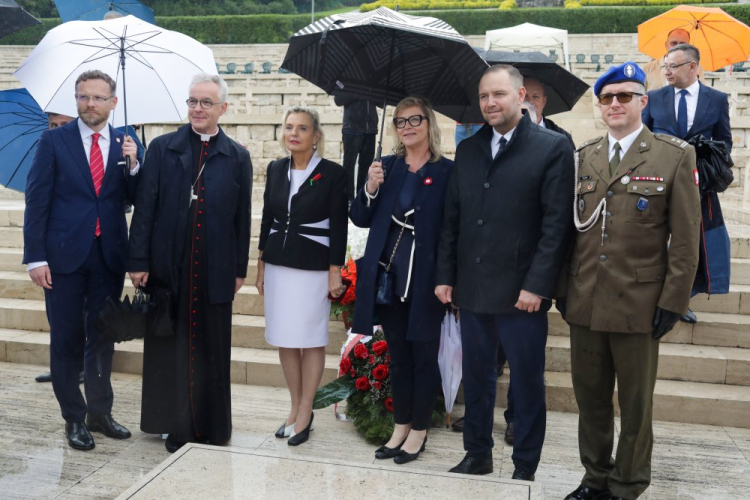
{"x": 97, "y": 171}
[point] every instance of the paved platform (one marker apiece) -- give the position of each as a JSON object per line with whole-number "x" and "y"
{"x": 689, "y": 461}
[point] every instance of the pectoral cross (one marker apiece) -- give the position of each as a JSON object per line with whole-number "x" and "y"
{"x": 193, "y": 196}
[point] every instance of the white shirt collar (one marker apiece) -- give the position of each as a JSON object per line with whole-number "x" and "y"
{"x": 497, "y": 135}
{"x": 86, "y": 131}
{"x": 692, "y": 89}
{"x": 542, "y": 124}
{"x": 206, "y": 137}
{"x": 625, "y": 142}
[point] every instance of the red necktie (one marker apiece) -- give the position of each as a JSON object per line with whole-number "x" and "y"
{"x": 96, "y": 163}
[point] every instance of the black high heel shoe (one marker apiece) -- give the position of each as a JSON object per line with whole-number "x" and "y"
{"x": 298, "y": 439}
{"x": 384, "y": 452}
{"x": 284, "y": 431}
{"x": 404, "y": 457}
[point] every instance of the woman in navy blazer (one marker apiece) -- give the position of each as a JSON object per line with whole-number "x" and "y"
{"x": 404, "y": 195}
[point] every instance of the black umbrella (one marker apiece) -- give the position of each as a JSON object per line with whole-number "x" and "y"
{"x": 147, "y": 314}
{"x": 384, "y": 56}
{"x": 563, "y": 88}
{"x": 14, "y": 18}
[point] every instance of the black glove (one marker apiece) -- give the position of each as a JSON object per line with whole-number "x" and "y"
{"x": 663, "y": 322}
{"x": 561, "y": 304}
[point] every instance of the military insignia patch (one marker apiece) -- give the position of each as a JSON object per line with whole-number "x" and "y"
{"x": 642, "y": 203}
{"x": 696, "y": 178}
{"x": 590, "y": 185}
{"x": 629, "y": 70}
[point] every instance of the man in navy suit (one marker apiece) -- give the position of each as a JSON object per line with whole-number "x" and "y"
{"x": 75, "y": 245}
{"x": 686, "y": 108}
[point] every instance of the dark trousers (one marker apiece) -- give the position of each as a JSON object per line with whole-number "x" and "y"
{"x": 501, "y": 359}
{"x": 597, "y": 360}
{"x": 415, "y": 375}
{"x": 73, "y": 307}
{"x": 362, "y": 146}
{"x": 523, "y": 336}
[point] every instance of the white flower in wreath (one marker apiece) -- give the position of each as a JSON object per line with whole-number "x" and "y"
{"x": 357, "y": 240}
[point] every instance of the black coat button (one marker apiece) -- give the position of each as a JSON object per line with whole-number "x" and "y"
{"x": 486, "y": 185}
{"x": 417, "y": 208}
{"x": 477, "y": 260}
{"x": 480, "y": 222}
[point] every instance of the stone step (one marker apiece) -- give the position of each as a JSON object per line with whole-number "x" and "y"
{"x": 676, "y": 401}
{"x": 712, "y": 329}
{"x": 726, "y": 360}
{"x": 248, "y": 331}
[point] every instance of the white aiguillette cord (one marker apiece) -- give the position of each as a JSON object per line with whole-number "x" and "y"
{"x": 600, "y": 209}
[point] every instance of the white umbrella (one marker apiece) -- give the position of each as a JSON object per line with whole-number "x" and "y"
{"x": 158, "y": 63}
{"x": 450, "y": 358}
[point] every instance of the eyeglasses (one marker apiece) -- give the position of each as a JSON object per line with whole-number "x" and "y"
{"x": 98, "y": 99}
{"x": 622, "y": 97}
{"x": 205, "y": 103}
{"x": 414, "y": 121}
{"x": 672, "y": 67}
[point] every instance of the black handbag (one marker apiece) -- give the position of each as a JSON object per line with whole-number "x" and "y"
{"x": 386, "y": 291}
{"x": 714, "y": 164}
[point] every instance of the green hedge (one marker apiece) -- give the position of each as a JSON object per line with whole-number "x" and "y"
{"x": 278, "y": 29}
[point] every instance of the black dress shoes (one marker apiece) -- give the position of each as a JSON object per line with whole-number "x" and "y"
{"x": 458, "y": 425}
{"x": 47, "y": 377}
{"x": 586, "y": 493}
{"x": 474, "y": 465}
{"x": 172, "y": 445}
{"x": 79, "y": 436}
{"x": 689, "y": 317}
{"x": 510, "y": 433}
{"x": 384, "y": 452}
{"x": 298, "y": 439}
{"x": 618, "y": 498}
{"x": 107, "y": 426}
{"x": 522, "y": 475}
{"x": 404, "y": 457}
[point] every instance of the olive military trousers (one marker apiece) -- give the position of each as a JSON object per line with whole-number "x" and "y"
{"x": 598, "y": 359}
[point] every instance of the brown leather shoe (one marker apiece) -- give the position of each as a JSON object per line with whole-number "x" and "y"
{"x": 509, "y": 433}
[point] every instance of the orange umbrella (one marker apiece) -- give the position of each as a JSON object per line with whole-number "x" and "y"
{"x": 720, "y": 38}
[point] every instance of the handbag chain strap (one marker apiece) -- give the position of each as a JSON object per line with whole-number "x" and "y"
{"x": 395, "y": 247}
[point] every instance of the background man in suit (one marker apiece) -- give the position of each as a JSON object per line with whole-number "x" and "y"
{"x": 505, "y": 231}
{"x": 75, "y": 236}
{"x": 55, "y": 120}
{"x": 686, "y": 108}
{"x": 655, "y": 78}
{"x": 358, "y": 133}
{"x": 537, "y": 95}
{"x": 627, "y": 284}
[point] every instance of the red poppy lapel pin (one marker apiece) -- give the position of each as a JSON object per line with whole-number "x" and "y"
{"x": 428, "y": 181}
{"x": 316, "y": 178}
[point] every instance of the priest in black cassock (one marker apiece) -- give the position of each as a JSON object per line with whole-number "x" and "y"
{"x": 190, "y": 235}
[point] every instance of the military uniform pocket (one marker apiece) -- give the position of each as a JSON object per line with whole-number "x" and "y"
{"x": 653, "y": 273}
{"x": 647, "y": 202}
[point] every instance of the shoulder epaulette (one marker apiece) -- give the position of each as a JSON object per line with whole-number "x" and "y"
{"x": 589, "y": 143}
{"x": 674, "y": 141}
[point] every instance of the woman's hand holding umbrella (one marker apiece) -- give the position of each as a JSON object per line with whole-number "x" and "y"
{"x": 375, "y": 177}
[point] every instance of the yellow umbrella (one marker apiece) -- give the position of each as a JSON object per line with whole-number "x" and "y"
{"x": 720, "y": 38}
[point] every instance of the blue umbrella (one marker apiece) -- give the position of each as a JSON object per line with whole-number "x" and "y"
{"x": 94, "y": 10}
{"x": 22, "y": 121}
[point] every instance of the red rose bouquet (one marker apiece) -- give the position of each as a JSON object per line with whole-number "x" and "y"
{"x": 365, "y": 382}
{"x": 344, "y": 306}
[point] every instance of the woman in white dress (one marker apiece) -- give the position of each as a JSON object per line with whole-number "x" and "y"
{"x": 302, "y": 248}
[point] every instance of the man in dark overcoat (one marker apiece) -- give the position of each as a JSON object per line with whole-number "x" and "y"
{"x": 634, "y": 258}
{"x": 190, "y": 236}
{"x": 506, "y": 226}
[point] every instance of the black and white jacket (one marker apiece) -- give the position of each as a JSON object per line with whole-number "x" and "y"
{"x": 295, "y": 234}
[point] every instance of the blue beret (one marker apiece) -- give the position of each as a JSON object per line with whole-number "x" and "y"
{"x": 626, "y": 72}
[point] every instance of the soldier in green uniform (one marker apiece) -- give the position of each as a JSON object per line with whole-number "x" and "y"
{"x": 637, "y": 212}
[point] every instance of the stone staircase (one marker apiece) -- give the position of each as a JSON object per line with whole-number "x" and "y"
{"x": 704, "y": 371}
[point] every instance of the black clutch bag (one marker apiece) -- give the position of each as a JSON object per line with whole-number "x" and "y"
{"x": 386, "y": 291}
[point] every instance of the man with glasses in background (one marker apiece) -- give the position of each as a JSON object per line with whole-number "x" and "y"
{"x": 629, "y": 277}
{"x": 655, "y": 78}
{"x": 190, "y": 236}
{"x": 686, "y": 108}
{"x": 75, "y": 241}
